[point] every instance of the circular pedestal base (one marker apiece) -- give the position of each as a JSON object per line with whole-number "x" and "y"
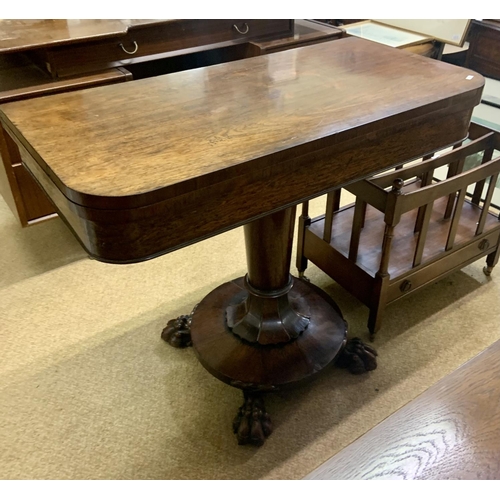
{"x": 256, "y": 367}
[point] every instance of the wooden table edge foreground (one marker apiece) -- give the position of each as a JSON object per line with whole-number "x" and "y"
{"x": 450, "y": 431}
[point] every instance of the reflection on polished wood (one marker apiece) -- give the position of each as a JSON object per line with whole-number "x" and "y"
{"x": 451, "y": 431}
{"x": 306, "y": 32}
{"x": 67, "y": 47}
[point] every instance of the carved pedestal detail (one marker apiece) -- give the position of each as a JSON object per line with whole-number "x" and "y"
{"x": 268, "y": 317}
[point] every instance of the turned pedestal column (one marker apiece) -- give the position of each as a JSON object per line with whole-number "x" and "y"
{"x": 268, "y": 329}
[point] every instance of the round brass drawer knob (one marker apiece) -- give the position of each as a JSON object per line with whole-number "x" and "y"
{"x": 484, "y": 245}
{"x": 405, "y": 286}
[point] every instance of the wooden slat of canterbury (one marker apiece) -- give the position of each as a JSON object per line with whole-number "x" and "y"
{"x": 332, "y": 205}
{"x": 454, "y": 168}
{"x": 478, "y": 190}
{"x": 165, "y": 136}
{"x": 425, "y": 213}
{"x": 456, "y": 217}
{"x": 371, "y": 193}
{"x": 451, "y": 185}
{"x": 451, "y": 431}
{"x": 487, "y": 202}
{"x": 403, "y": 247}
{"x": 357, "y": 225}
{"x": 426, "y": 180}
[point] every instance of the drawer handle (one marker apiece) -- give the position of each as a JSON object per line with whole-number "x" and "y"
{"x": 136, "y": 47}
{"x": 246, "y": 29}
{"x": 405, "y": 286}
{"x": 484, "y": 245}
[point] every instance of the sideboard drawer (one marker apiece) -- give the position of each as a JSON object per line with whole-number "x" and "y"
{"x": 305, "y": 33}
{"x": 164, "y": 37}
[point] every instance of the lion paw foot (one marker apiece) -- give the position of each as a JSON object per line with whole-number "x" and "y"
{"x": 357, "y": 357}
{"x": 252, "y": 424}
{"x": 178, "y": 331}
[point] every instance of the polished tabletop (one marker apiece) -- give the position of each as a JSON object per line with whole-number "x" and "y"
{"x": 145, "y": 167}
{"x": 147, "y": 137}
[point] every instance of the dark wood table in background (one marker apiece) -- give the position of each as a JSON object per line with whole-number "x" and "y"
{"x": 49, "y": 56}
{"x": 483, "y": 54}
{"x": 149, "y": 166}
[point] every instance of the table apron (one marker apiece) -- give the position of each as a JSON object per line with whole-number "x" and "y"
{"x": 135, "y": 234}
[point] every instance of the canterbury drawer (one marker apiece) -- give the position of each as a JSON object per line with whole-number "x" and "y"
{"x": 170, "y": 36}
{"x": 456, "y": 260}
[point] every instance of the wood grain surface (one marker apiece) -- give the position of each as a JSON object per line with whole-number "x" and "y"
{"x": 451, "y": 431}
{"x": 144, "y": 167}
{"x": 155, "y": 133}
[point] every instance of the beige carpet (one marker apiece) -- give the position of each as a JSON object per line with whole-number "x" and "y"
{"x": 88, "y": 390}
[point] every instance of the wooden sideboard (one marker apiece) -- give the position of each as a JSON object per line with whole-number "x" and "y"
{"x": 306, "y": 32}
{"x": 483, "y": 55}
{"x": 42, "y": 57}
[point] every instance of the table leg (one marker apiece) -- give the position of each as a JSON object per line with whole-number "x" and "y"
{"x": 267, "y": 330}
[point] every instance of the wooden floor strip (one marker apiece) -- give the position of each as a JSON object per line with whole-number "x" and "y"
{"x": 451, "y": 431}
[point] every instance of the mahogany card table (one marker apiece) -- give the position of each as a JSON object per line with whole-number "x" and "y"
{"x": 145, "y": 167}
